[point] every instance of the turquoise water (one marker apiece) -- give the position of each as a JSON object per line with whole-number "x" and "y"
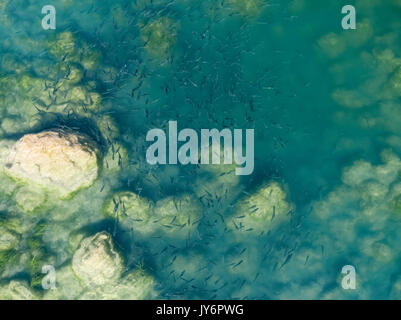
{"x": 323, "y": 102}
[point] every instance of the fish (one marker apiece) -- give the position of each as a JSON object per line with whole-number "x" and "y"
{"x": 239, "y": 263}
{"x": 288, "y": 258}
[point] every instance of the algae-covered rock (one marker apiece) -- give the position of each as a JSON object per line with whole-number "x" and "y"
{"x": 17, "y": 290}
{"x": 18, "y": 95}
{"x": 96, "y": 261}
{"x": 396, "y": 82}
{"x": 258, "y": 211}
{"x": 6, "y": 184}
{"x": 350, "y": 98}
{"x": 159, "y": 36}
{"x": 5, "y": 147}
{"x": 10, "y": 262}
{"x": 54, "y": 160}
{"x": 8, "y": 239}
{"x": 134, "y": 286}
{"x": 332, "y": 44}
{"x": 116, "y": 157}
{"x": 108, "y": 127}
{"x": 178, "y": 215}
{"x": 172, "y": 215}
{"x": 362, "y": 34}
{"x": 132, "y": 210}
{"x": 363, "y": 172}
{"x": 97, "y": 271}
{"x": 67, "y": 47}
{"x": 370, "y": 194}
{"x": 68, "y": 286}
{"x": 247, "y": 7}
{"x": 378, "y": 250}
{"x": 29, "y": 199}
{"x": 137, "y": 285}
{"x": 34, "y": 91}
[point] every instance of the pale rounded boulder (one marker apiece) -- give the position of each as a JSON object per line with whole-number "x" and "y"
{"x": 61, "y": 162}
{"x": 97, "y": 262}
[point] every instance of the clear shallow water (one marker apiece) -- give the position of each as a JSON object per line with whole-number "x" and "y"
{"x": 319, "y": 98}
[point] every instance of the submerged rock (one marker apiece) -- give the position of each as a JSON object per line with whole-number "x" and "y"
{"x": 160, "y": 35}
{"x": 258, "y": 211}
{"x": 8, "y": 239}
{"x": 29, "y": 199}
{"x": 115, "y": 158}
{"x": 6, "y": 185}
{"x": 34, "y": 91}
{"x": 332, "y": 44}
{"x": 132, "y": 211}
{"x": 55, "y": 161}
{"x": 136, "y": 285}
{"x": 96, "y": 261}
{"x": 178, "y": 215}
{"x": 17, "y": 290}
{"x": 247, "y": 7}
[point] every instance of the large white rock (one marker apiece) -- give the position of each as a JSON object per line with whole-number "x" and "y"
{"x": 54, "y": 160}
{"x": 96, "y": 262}
{"x": 136, "y": 285}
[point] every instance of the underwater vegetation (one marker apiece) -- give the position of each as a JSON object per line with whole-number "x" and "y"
{"x": 78, "y": 196}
